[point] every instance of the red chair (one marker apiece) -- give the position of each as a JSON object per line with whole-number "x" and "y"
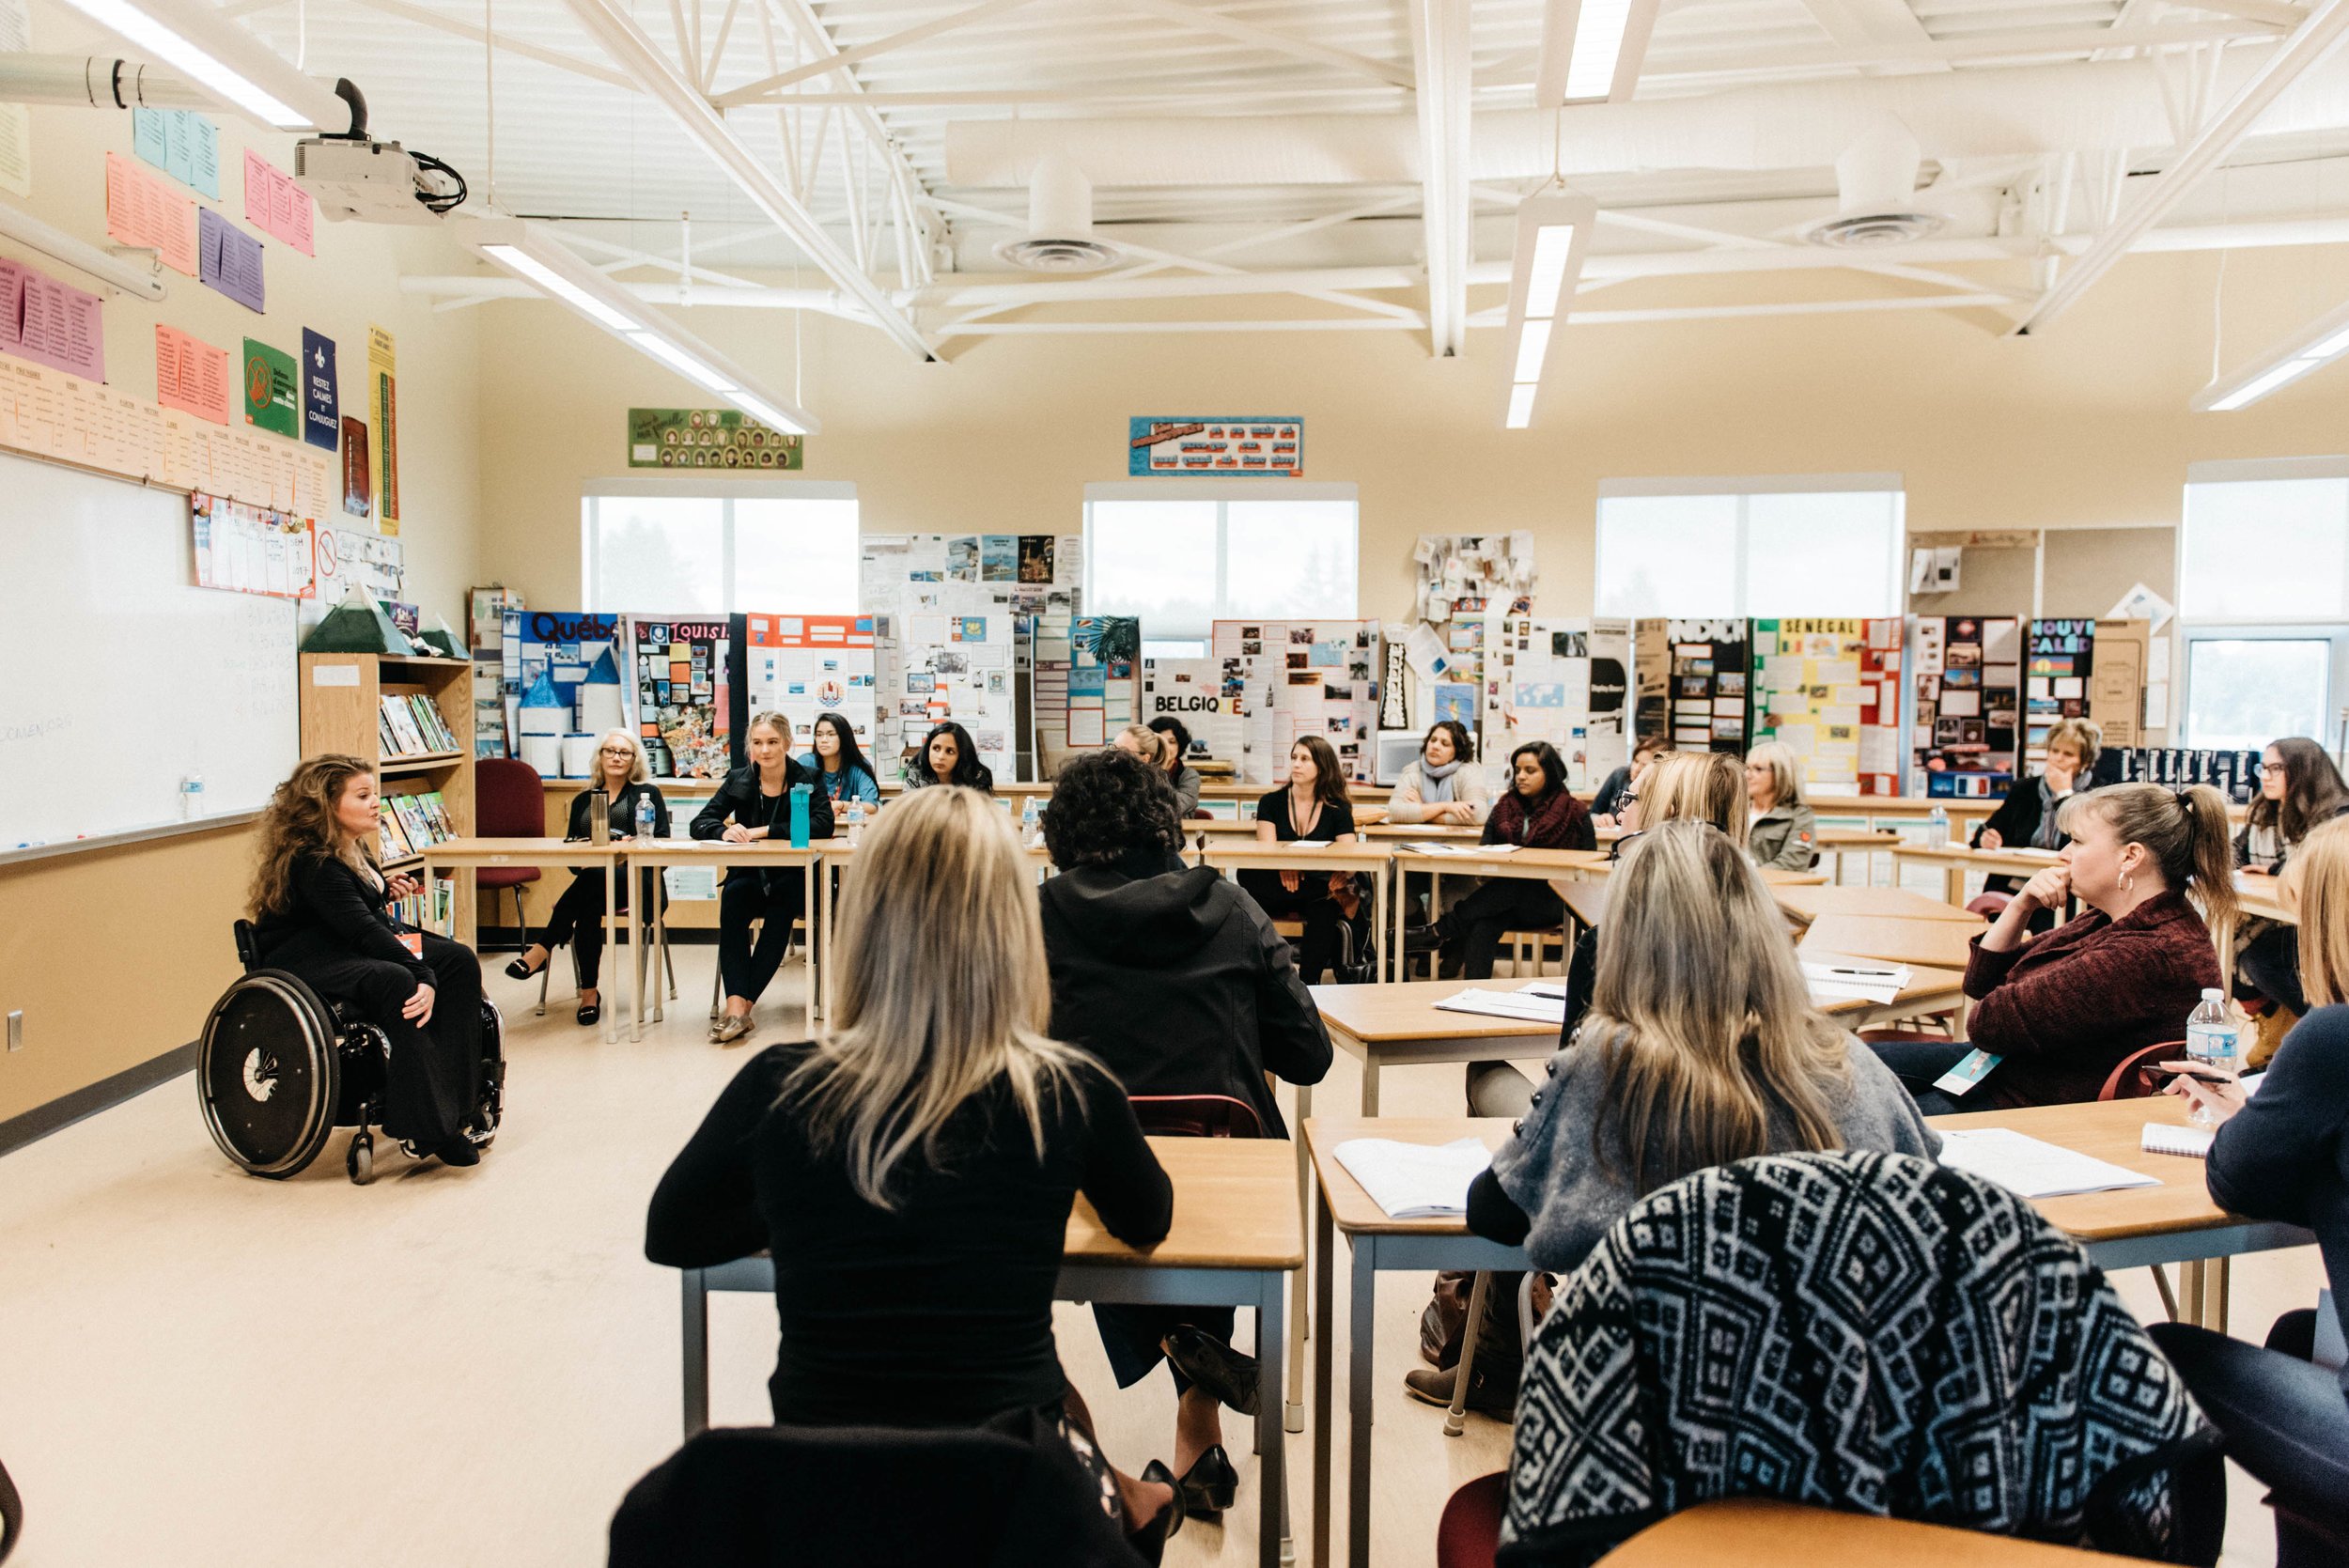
{"x": 1195, "y": 1116}
{"x": 2125, "y": 1084}
{"x": 509, "y": 801}
{"x": 1990, "y": 905}
{"x": 1469, "y": 1535}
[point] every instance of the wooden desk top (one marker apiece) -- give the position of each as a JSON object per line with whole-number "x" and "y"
{"x": 1857, "y": 838}
{"x": 1383, "y": 1014}
{"x": 1770, "y": 874}
{"x": 1445, "y": 832}
{"x": 521, "y": 851}
{"x": 1760, "y": 1532}
{"x": 1810, "y": 903}
{"x": 2264, "y": 896}
{"x": 843, "y": 852}
{"x": 1358, "y": 856}
{"x": 1587, "y": 901}
{"x": 1236, "y": 1206}
{"x": 1353, "y": 1210}
{"x": 1940, "y": 943}
{"x": 2003, "y": 863}
{"x": 1546, "y": 863}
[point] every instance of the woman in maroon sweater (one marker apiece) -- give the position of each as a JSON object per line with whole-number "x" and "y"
{"x": 1538, "y": 812}
{"x": 2059, "y": 1012}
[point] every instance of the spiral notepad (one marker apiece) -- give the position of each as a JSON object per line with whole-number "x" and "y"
{"x": 2162, "y": 1139}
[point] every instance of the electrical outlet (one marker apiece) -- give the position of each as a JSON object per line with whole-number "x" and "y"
{"x": 16, "y": 1030}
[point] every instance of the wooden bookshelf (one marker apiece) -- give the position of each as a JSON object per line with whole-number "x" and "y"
{"x": 341, "y": 696}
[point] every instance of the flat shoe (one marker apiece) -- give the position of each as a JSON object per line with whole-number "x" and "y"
{"x": 1149, "y": 1542}
{"x": 1210, "y": 1483}
{"x": 521, "y": 971}
{"x": 458, "y": 1151}
{"x": 591, "y": 1012}
{"x": 1225, "y": 1372}
{"x": 1490, "y": 1395}
{"x": 728, "y": 1030}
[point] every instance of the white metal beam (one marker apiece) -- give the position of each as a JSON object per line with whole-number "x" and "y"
{"x": 769, "y": 87}
{"x": 1441, "y": 53}
{"x": 1858, "y": 23}
{"x": 636, "y": 55}
{"x": 2315, "y": 40}
{"x": 1208, "y": 19}
{"x": 808, "y": 29}
{"x": 2022, "y": 44}
{"x": 507, "y": 42}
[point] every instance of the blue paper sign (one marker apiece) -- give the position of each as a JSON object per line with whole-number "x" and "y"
{"x": 1238, "y": 444}
{"x": 321, "y": 413}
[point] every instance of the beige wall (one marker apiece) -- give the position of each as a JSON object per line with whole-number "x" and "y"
{"x": 114, "y": 955}
{"x": 2087, "y": 424}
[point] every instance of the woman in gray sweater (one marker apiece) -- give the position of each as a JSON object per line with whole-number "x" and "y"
{"x": 1701, "y": 1048}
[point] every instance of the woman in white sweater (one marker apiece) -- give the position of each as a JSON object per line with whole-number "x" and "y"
{"x": 1442, "y": 783}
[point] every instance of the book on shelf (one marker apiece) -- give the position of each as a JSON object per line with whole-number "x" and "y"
{"x": 436, "y": 812}
{"x": 390, "y": 836}
{"x": 413, "y": 821}
{"x": 430, "y": 721}
{"x": 402, "y": 724}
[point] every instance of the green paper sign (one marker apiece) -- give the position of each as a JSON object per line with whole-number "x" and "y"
{"x": 272, "y": 396}
{"x": 706, "y": 437}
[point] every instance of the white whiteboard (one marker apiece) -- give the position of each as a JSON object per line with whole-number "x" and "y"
{"x": 118, "y": 676}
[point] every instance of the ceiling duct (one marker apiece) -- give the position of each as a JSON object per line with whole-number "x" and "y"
{"x": 1060, "y": 222}
{"x": 1876, "y": 185}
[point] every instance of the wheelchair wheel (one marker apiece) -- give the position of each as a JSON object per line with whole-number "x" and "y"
{"x": 360, "y": 1161}
{"x": 268, "y": 1073}
{"x": 481, "y": 1124}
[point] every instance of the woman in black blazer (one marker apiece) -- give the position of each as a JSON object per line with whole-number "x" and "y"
{"x": 319, "y": 911}
{"x": 755, "y": 803}
{"x": 626, "y": 774}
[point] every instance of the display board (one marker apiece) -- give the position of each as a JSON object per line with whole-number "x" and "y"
{"x": 1296, "y": 678}
{"x": 561, "y": 645}
{"x": 1966, "y": 679}
{"x": 1691, "y": 676}
{"x": 1085, "y": 688}
{"x": 2061, "y": 655}
{"x": 680, "y": 699}
{"x": 123, "y": 676}
{"x": 1562, "y": 681}
{"x": 2233, "y": 774}
{"x": 1194, "y": 692}
{"x": 1830, "y": 690}
{"x": 801, "y": 666}
{"x": 957, "y": 667}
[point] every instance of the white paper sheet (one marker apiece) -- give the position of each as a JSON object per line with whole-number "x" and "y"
{"x": 1415, "y": 1180}
{"x": 2031, "y": 1166}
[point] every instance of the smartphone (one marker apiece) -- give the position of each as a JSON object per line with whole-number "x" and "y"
{"x": 2156, "y": 1077}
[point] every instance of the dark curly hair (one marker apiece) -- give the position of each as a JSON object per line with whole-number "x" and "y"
{"x": 1107, "y": 805}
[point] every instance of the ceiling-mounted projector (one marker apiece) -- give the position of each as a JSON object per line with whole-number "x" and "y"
{"x": 354, "y": 178}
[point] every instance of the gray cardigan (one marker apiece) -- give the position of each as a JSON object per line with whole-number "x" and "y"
{"x": 1549, "y": 1171}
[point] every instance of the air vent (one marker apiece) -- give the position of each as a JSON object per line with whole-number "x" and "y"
{"x": 1039, "y": 254}
{"x": 1862, "y": 231}
{"x": 1876, "y": 183}
{"x": 1060, "y": 224}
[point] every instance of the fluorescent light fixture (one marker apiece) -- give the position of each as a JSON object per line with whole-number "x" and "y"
{"x": 223, "y": 58}
{"x": 2313, "y": 346}
{"x": 1521, "y": 405}
{"x": 533, "y": 254}
{"x": 118, "y": 271}
{"x": 1552, "y": 229}
{"x": 1592, "y": 51}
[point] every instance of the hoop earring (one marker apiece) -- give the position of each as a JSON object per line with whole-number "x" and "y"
{"x": 2129, "y": 881}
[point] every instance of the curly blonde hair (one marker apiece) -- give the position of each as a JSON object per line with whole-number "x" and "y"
{"x": 299, "y": 820}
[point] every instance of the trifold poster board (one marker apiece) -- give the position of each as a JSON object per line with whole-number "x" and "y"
{"x": 1194, "y": 692}
{"x": 2116, "y": 687}
{"x": 1298, "y": 679}
{"x": 2059, "y": 658}
{"x": 959, "y": 668}
{"x": 1692, "y": 678}
{"x": 1966, "y": 678}
{"x": 680, "y": 694}
{"x": 1563, "y": 681}
{"x": 1829, "y": 690}
{"x": 1085, "y": 687}
{"x": 801, "y": 666}
{"x": 561, "y": 645}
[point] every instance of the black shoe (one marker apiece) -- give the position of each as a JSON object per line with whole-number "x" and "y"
{"x": 458, "y": 1151}
{"x": 519, "y": 969}
{"x": 1215, "y": 1367}
{"x": 1491, "y": 1391}
{"x": 591, "y": 1012}
{"x": 1149, "y": 1542}
{"x": 1422, "y": 939}
{"x": 1210, "y": 1483}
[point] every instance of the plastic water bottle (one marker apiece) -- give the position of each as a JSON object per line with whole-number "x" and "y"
{"x": 2210, "y": 1040}
{"x": 1937, "y": 829}
{"x": 644, "y": 817}
{"x": 855, "y": 811}
{"x": 192, "y": 797}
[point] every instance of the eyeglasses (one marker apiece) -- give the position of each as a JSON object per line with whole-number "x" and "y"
{"x": 619, "y": 750}
{"x": 2271, "y": 767}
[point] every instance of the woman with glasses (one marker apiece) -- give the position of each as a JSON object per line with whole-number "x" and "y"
{"x": 2300, "y": 791}
{"x": 625, "y": 774}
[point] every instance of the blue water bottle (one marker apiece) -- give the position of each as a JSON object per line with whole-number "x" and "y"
{"x": 798, "y": 816}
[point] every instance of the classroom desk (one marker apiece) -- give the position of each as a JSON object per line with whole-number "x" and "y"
{"x": 1238, "y": 1232}
{"x": 1942, "y": 944}
{"x": 2263, "y": 897}
{"x": 1808, "y": 903}
{"x": 1957, "y": 860}
{"x": 456, "y": 854}
{"x": 764, "y": 854}
{"x": 2132, "y": 1227}
{"x": 1763, "y": 1533}
{"x": 1545, "y": 865}
{"x": 1865, "y": 841}
{"x": 1438, "y": 832}
{"x": 1228, "y": 857}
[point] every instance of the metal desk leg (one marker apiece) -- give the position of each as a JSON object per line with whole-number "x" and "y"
{"x": 1293, "y": 1412}
{"x": 1357, "y": 1403}
{"x": 1272, "y": 1545}
{"x": 1324, "y": 1267}
{"x": 696, "y": 1351}
{"x": 1464, "y": 1370}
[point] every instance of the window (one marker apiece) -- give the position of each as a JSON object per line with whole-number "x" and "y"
{"x": 1809, "y": 545}
{"x": 2263, "y": 596}
{"x": 1181, "y": 554}
{"x": 670, "y": 546}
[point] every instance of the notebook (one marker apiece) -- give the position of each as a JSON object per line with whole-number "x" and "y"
{"x": 2160, "y": 1137}
{"x": 1415, "y": 1180}
{"x": 1546, "y": 1005}
{"x": 1846, "y": 978}
{"x": 2032, "y": 1167}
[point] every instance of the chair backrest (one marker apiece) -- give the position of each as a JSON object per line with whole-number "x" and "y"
{"x": 248, "y": 950}
{"x": 2123, "y": 1082}
{"x": 806, "y": 1497}
{"x": 1195, "y": 1116}
{"x": 509, "y": 800}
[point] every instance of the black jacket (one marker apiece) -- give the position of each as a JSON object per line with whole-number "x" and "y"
{"x": 738, "y": 801}
{"x": 1175, "y": 978}
{"x": 2016, "y": 820}
{"x": 623, "y": 811}
{"x": 333, "y": 914}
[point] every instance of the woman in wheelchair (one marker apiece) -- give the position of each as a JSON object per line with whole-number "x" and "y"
{"x": 319, "y": 912}
{"x": 626, "y": 774}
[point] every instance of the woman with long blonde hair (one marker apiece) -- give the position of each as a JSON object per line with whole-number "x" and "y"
{"x": 2278, "y": 1156}
{"x": 320, "y": 909}
{"x": 626, "y": 775}
{"x": 913, "y": 1171}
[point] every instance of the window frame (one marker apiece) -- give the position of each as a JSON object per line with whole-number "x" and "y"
{"x": 697, "y": 489}
{"x": 1743, "y": 488}
{"x": 2333, "y": 721}
{"x": 1223, "y": 492}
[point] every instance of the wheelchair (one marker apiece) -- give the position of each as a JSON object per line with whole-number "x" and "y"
{"x": 279, "y": 1068}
